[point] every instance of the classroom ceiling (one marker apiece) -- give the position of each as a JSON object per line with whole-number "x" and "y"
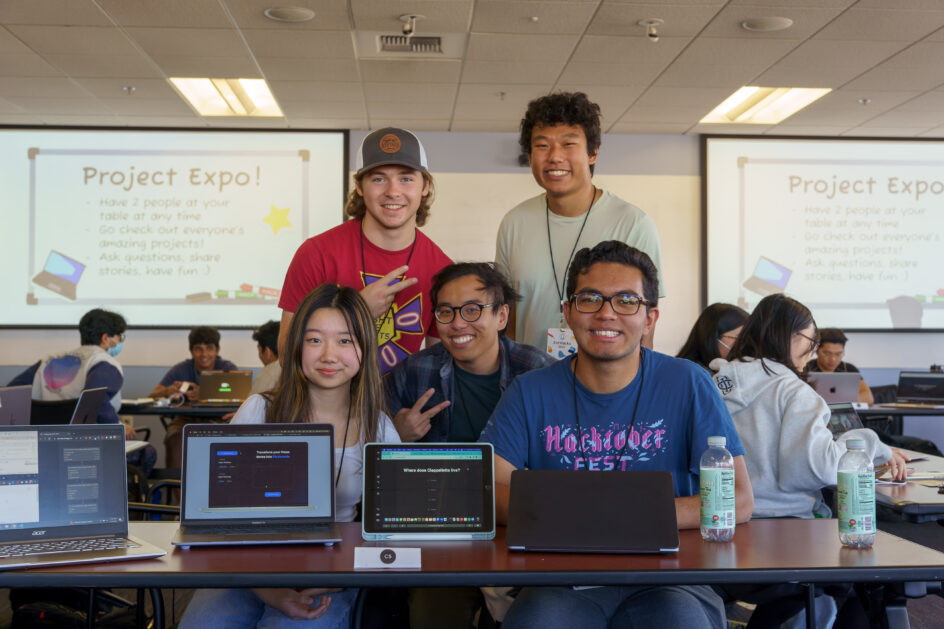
{"x": 69, "y": 62}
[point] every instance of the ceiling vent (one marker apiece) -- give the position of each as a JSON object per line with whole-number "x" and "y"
{"x": 410, "y": 44}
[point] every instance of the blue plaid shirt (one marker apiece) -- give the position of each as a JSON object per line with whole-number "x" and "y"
{"x": 433, "y": 368}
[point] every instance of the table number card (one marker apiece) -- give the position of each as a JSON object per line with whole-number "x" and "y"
{"x": 379, "y": 558}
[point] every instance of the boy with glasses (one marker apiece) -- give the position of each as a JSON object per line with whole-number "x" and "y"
{"x": 615, "y": 406}
{"x": 829, "y": 359}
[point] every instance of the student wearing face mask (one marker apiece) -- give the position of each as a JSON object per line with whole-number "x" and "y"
{"x": 65, "y": 375}
{"x": 713, "y": 334}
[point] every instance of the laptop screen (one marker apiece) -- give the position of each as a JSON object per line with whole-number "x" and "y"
{"x": 225, "y": 386}
{"x": 843, "y": 417}
{"x": 62, "y": 481}
{"x": 428, "y": 488}
{"x": 921, "y": 386}
{"x": 258, "y": 473}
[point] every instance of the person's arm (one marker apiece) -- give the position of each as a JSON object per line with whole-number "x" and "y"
{"x": 503, "y": 470}
{"x": 865, "y": 393}
{"x": 306, "y": 604}
{"x": 26, "y": 376}
{"x": 105, "y": 375}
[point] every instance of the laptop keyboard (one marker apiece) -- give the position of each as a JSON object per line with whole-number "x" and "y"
{"x": 268, "y": 529}
{"x": 54, "y": 547}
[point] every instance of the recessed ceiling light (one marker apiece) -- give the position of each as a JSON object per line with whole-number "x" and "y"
{"x": 289, "y": 14}
{"x": 763, "y": 105}
{"x": 766, "y": 24}
{"x": 228, "y": 97}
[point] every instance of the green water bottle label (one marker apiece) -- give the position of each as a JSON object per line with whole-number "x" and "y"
{"x": 856, "y": 502}
{"x": 717, "y": 498}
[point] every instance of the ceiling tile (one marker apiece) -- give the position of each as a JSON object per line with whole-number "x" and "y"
{"x": 323, "y": 109}
{"x": 10, "y": 45}
{"x": 327, "y": 70}
{"x": 67, "y": 106}
{"x": 859, "y": 55}
{"x": 813, "y": 4}
{"x": 227, "y": 67}
{"x": 931, "y": 101}
{"x": 18, "y": 118}
{"x": 490, "y": 111}
{"x": 730, "y": 129}
{"x": 305, "y": 44}
{"x": 41, "y": 87}
{"x": 845, "y": 99}
{"x": 806, "y": 130}
{"x": 648, "y": 127}
{"x": 164, "y": 121}
{"x": 757, "y": 53}
{"x": 329, "y": 15}
{"x": 887, "y": 132}
{"x": 180, "y": 13}
{"x": 609, "y": 49}
{"x": 920, "y": 55}
{"x": 246, "y": 123}
{"x": 507, "y": 126}
{"x": 7, "y": 107}
{"x": 134, "y": 106}
{"x": 675, "y": 114}
{"x": 143, "y": 88}
{"x": 79, "y": 66}
{"x": 442, "y": 16}
{"x": 63, "y": 12}
{"x": 510, "y": 71}
{"x": 198, "y": 42}
{"x": 424, "y": 124}
{"x": 67, "y": 120}
{"x": 615, "y": 18}
{"x": 684, "y": 97}
{"x": 314, "y": 90}
{"x": 410, "y": 71}
{"x": 554, "y": 50}
{"x": 806, "y": 21}
{"x": 884, "y": 24}
{"x": 327, "y": 123}
{"x": 515, "y": 17}
{"x": 619, "y": 74}
{"x": 829, "y": 117}
{"x": 433, "y": 111}
{"x": 906, "y": 79}
{"x": 489, "y": 93}
{"x": 598, "y": 93}
{"x": 78, "y": 40}
{"x": 728, "y": 77}
{"x": 407, "y": 93}
{"x": 898, "y": 118}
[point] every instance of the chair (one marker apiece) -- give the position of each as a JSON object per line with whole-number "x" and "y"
{"x": 47, "y": 413}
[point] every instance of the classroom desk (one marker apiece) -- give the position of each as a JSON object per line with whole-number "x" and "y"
{"x": 876, "y": 410}
{"x": 212, "y": 412}
{"x": 763, "y": 551}
{"x": 915, "y": 501}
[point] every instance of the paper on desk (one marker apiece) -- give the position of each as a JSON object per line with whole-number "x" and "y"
{"x": 138, "y": 401}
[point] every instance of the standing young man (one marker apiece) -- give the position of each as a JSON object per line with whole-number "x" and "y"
{"x": 537, "y": 239}
{"x": 615, "y": 406}
{"x": 381, "y": 251}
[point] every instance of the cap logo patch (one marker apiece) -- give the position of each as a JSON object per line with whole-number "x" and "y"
{"x": 390, "y": 143}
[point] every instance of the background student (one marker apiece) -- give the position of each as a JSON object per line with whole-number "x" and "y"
{"x": 714, "y": 334}
{"x": 331, "y": 376}
{"x": 267, "y": 342}
{"x": 829, "y": 359}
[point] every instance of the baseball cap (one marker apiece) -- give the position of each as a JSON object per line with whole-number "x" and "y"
{"x": 391, "y": 146}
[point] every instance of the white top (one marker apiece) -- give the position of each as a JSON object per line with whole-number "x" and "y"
{"x": 522, "y": 254}
{"x": 348, "y": 493}
{"x": 267, "y": 379}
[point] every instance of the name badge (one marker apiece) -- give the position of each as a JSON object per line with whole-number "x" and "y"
{"x": 561, "y": 342}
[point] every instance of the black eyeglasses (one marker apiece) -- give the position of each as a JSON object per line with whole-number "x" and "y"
{"x": 470, "y": 312}
{"x": 622, "y": 303}
{"x": 814, "y": 344}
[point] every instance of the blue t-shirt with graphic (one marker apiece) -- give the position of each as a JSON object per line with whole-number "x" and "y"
{"x": 533, "y": 426}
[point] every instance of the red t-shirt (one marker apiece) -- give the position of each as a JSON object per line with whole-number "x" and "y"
{"x": 335, "y": 256}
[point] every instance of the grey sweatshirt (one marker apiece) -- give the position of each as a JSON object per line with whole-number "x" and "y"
{"x": 782, "y": 422}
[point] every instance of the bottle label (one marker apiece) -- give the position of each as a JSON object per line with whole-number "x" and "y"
{"x": 856, "y": 502}
{"x": 717, "y": 498}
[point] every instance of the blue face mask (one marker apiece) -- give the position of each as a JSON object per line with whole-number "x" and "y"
{"x": 114, "y": 351}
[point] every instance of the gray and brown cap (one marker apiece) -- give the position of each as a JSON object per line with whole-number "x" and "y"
{"x": 391, "y": 146}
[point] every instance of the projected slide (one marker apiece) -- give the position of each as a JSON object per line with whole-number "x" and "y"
{"x": 853, "y": 229}
{"x": 167, "y": 228}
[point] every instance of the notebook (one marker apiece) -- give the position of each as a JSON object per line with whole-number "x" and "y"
{"x": 428, "y": 491}
{"x": 836, "y": 387}
{"x": 919, "y": 389}
{"x": 257, "y": 484}
{"x": 224, "y": 388}
{"x": 89, "y": 404}
{"x": 65, "y": 497}
{"x": 15, "y": 405}
{"x": 592, "y": 512}
{"x": 843, "y": 417}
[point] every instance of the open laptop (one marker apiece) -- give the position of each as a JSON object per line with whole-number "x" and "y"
{"x": 257, "y": 484}
{"x": 428, "y": 491}
{"x": 15, "y": 405}
{"x": 592, "y": 512}
{"x": 843, "y": 417}
{"x": 919, "y": 389}
{"x": 224, "y": 388}
{"x": 65, "y": 497}
{"x": 60, "y": 274}
{"x": 836, "y": 387}
{"x": 89, "y": 404}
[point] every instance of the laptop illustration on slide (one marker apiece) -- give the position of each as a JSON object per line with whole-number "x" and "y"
{"x": 257, "y": 484}
{"x": 836, "y": 387}
{"x": 769, "y": 277}
{"x": 65, "y": 497}
{"x": 15, "y": 405}
{"x": 919, "y": 389}
{"x": 578, "y": 511}
{"x": 60, "y": 274}
{"x": 224, "y": 388}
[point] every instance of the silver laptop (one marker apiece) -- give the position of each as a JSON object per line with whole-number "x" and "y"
{"x": 15, "y": 405}
{"x": 224, "y": 388}
{"x": 65, "y": 497}
{"x": 836, "y": 387}
{"x": 257, "y": 484}
{"x": 428, "y": 491}
{"x": 592, "y": 512}
{"x": 842, "y": 418}
{"x": 919, "y": 389}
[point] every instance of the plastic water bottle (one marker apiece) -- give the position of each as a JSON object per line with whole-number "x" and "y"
{"x": 716, "y": 471}
{"x": 856, "y": 496}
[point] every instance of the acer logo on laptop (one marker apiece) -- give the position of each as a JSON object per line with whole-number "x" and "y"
{"x": 43, "y": 532}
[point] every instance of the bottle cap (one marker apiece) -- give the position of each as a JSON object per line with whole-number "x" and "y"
{"x": 717, "y": 442}
{"x": 855, "y": 444}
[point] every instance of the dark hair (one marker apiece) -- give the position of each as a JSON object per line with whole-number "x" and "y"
{"x": 714, "y": 321}
{"x": 268, "y": 336}
{"x": 357, "y": 208}
{"x": 493, "y": 281}
{"x": 768, "y": 332}
{"x": 621, "y": 253}
{"x": 204, "y": 335}
{"x": 96, "y": 322}
{"x": 568, "y": 108}
{"x": 290, "y": 401}
{"x": 832, "y": 335}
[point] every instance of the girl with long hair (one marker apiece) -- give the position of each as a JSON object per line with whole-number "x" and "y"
{"x": 714, "y": 334}
{"x": 330, "y": 375}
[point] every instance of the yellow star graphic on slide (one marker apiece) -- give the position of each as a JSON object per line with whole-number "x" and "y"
{"x": 277, "y": 218}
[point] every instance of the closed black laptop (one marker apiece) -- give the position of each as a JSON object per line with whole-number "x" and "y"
{"x": 257, "y": 484}
{"x": 65, "y": 497}
{"x": 592, "y": 512}
{"x": 15, "y": 405}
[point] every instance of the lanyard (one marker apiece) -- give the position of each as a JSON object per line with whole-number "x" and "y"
{"x": 632, "y": 422}
{"x": 380, "y": 322}
{"x": 558, "y": 286}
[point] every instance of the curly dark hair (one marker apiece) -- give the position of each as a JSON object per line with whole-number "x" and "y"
{"x": 569, "y": 108}
{"x": 621, "y": 253}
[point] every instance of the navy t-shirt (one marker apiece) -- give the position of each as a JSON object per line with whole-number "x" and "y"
{"x": 534, "y": 427}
